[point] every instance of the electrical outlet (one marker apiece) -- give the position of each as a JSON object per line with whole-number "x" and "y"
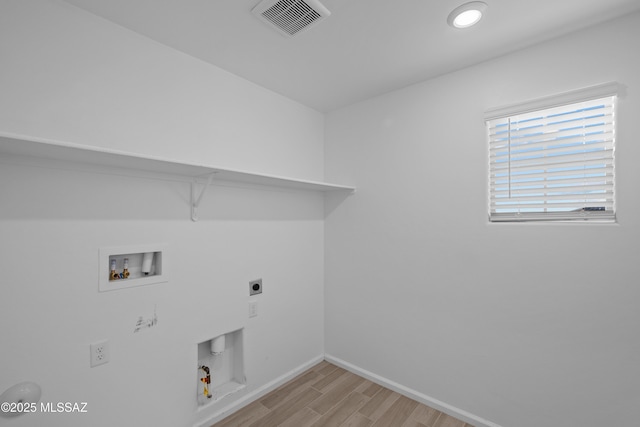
{"x": 253, "y": 308}
{"x": 255, "y": 287}
{"x": 99, "y": 353}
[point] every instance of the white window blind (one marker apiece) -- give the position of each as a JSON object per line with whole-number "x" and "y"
{"x": 554, "y": 163}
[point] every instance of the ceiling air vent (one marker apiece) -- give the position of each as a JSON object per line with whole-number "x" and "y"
{"x": 290, "y": 17}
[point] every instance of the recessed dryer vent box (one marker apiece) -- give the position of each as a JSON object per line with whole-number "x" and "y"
{"x": 146, "y": 266}
{"x": 223, "y": 364}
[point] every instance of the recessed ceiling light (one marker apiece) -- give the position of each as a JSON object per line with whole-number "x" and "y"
{"x": 467, "y": 14}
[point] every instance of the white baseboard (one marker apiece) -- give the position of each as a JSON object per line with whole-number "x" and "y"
{"x": 257, "y": 393}
{"x": 412, "y": 394}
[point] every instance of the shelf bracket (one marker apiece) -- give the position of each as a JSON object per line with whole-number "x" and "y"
{"x": 195, "y": 200}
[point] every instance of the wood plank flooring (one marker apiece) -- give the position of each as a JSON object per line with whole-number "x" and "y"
{"x": 329, "y": 396}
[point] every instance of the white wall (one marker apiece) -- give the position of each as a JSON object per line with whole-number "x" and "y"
{"x": 523, "y": 325}
{"x": 69, "y": 76}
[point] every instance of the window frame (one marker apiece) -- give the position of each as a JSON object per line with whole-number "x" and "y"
{"x": 591, "y": 93}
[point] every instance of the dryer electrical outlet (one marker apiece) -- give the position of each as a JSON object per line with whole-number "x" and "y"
{"x": 255, "y": 287}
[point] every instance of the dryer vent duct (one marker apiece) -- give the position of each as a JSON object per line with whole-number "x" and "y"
{"x": 290, "y": 17}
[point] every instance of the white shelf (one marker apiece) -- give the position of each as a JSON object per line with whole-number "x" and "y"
{"x": 17, "y": 145}
{"x": 200, "y": 175}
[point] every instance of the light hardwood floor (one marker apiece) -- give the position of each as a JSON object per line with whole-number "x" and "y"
{"x": 329, "y": 396}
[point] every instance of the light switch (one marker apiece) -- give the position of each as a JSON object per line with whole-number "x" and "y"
{"x": 253, "y": 308}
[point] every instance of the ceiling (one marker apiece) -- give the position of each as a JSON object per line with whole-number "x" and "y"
{"x": 365, "y": 48}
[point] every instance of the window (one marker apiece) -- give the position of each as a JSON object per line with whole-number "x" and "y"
{"x": 553, "y": 158}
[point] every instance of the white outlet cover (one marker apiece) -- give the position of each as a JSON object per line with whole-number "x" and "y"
{"x": 99, "y": 353}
